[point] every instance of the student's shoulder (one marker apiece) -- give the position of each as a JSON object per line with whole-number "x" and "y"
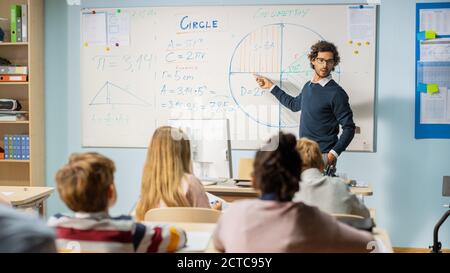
{"x": 122, "y": 218}
{"x": 191, "y": 179}
{"x": 59, "y": 216}
{"x": 312, "y": 213}
{"x": 303, "y": 207}
{"x": 192, "y": 184}
{"x": 58, "y": 219}
{"x": 338, "y": 183}
{"x": 243, "y": 205}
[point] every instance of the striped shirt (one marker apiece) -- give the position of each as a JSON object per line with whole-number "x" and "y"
{"x": 98, "y": 232}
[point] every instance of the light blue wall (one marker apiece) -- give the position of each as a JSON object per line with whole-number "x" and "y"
{"x": 56, "y": 77}
{"x": 406, "y": 174}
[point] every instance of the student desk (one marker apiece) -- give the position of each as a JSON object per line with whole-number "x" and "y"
{"x": 378, "y": 233}
{"x": 27, "y": 197}
{"x": 230, "y": 192}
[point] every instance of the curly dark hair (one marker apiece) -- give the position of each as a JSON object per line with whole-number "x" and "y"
{"x": 324, "y": 46}
{"x": 278, "y": 171}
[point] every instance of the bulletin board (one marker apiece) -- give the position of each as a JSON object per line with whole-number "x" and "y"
{"x": 432, "y": 99}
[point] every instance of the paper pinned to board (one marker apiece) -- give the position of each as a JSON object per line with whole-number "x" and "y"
{"x": 435, "y": 107}
{"x": 94, "y": 28}
{"x": 435, "y": 19}
{"x": 119, "y": 29}
{"x": 435, "y": 72}
{"x": 73, "y": 2}
{"x": 438, "y": 50}
{"x": 361, "y": 23}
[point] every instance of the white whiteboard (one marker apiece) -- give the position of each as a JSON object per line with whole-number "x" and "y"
{"x": 143, "y": 66}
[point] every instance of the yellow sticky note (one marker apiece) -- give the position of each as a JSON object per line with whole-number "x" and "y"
{"x": 358, "y": 43}
{"x": 107, "y": 49}
{"x": 356, "y": 52}
{"x": 86, "y": 44}
{"x": 432, "y": 88}
{"x": 429, "y": 34}
{"x": 350, "y": 41}
{"x": 367, "y": 43}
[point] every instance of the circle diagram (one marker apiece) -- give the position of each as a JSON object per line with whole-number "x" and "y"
{"x": 279, "y": 52}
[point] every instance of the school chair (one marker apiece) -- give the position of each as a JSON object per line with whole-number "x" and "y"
{"x": 183, "y": 214}
{"x": 245, "y": 168}
{"x": 343, "y": 216}
{"x": 355, "y": 221}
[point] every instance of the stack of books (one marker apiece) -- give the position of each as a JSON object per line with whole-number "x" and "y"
{"x": 17, "y": 147}
{"x": 13, "y": 73}
{"x": 19, "y": 23}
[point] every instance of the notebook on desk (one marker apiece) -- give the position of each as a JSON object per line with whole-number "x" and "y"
{"x": 244, "y": 183}
{"x": 212, "y": 181}
{"x": 208, "y": 183}
{"x": 197, "y": 241}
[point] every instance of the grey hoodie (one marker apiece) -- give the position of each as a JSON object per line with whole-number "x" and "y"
{"x": 329, "y": 194}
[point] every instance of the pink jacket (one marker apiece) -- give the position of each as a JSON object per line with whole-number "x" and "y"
{"x": 271, "y": 226}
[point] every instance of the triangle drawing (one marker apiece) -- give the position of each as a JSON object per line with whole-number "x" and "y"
{"x": 115, "y": 95}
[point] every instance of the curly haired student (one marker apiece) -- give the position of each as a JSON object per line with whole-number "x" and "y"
{"x": 274, "y": 223}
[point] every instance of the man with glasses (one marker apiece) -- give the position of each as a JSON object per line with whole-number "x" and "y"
{"x": 324, "y": 104}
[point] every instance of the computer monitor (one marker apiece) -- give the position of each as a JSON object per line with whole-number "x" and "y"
{"x": 210, "y": 146}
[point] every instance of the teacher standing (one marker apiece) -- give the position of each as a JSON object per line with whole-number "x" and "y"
{"x": 324, "y": 104}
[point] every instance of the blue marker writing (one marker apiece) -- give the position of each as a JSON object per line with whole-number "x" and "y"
{"x": 187, "y": 24}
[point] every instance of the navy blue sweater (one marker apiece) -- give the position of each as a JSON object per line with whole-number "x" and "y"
{"x": 323, "y": 109}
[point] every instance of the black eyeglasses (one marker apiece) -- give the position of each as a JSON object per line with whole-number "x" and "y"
{"x": 323, "y": 61}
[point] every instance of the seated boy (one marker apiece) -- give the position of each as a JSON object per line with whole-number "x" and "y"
{"x": 329, "y": 194}
{"x": 86, "y": 185}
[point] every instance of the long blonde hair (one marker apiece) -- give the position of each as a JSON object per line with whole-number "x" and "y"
{"x": 168, "y": 159}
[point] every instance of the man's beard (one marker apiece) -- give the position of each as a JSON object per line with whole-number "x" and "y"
{"x": 319, "y": 73}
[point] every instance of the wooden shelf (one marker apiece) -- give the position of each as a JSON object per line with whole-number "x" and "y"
{"x": 13, "y": 44}
{"x": 14, "y": 161}
{"x": 16, "y": 122}
{"x": 30, "y": 94}
{"x": 13, "y": 83}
